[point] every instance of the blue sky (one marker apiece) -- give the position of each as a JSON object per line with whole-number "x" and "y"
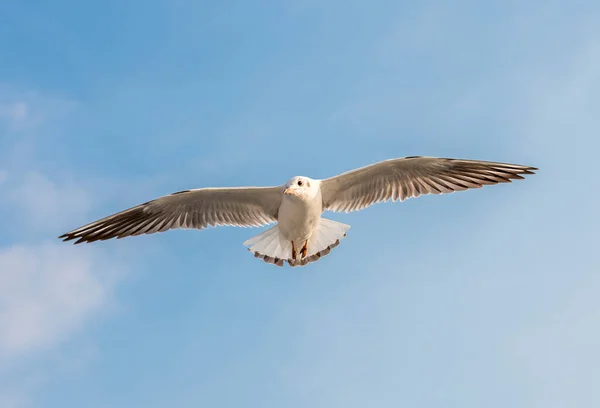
{"x": 481, "y": 298}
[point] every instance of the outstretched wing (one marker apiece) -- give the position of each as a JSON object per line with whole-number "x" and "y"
{"x": 399, "y": 179}
{"x": 199, "y": 208}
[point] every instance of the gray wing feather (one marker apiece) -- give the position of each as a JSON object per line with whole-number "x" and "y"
{"x": 399, "y": 179}
{"x": 200, "y": 208}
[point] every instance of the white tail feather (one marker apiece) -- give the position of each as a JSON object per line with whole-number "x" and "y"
{"x": 270, "y": 247}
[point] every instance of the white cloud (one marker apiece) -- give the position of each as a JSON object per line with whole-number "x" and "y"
{"x": 44, "y": 204}
{"x": 28, "y": 111}
{"x": 15, "y": 112}
{"x": 17, "y": 116}
{"x": 46, "y": 293}
{"x": 49, "y": 291}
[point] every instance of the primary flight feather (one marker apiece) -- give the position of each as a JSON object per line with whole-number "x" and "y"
{"x": 301, "y": 234}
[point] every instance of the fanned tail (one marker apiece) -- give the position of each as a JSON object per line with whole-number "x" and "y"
{"x": 326, "y": 237}
{"x": 270, "y": 247}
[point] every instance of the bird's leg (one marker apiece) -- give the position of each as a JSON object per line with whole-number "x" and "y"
{"x": 304, "y": 249}
{"x": 293, "y": 250}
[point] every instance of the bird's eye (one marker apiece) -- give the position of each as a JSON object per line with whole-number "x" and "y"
{"x": 299, "y": 182}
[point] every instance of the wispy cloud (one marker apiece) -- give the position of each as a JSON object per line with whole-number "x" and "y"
{"x": 16, "y": 113}
{"x": 48, "y": 291}
{"x": 42, "y": 204}
{"x": 26, "y": 111}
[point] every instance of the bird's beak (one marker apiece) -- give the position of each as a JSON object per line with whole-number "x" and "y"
{"x": 288, "y": 191}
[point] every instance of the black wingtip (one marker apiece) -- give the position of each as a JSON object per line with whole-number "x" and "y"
{"x": 68, "y": 237}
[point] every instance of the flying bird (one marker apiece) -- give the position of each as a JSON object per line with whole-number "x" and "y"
{"x": 301, "y": 235}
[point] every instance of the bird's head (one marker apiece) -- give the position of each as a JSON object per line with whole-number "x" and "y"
{"x": 301, "y": 187}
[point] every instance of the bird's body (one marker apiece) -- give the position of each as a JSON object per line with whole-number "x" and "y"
{"x": 299, "y": 216}
{"x": 301, "y": 235}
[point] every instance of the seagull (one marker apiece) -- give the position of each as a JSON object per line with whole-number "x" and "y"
{"x": 301, "y": 234}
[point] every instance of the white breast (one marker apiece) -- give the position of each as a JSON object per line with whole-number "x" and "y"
{"x": 298, "y": 219}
